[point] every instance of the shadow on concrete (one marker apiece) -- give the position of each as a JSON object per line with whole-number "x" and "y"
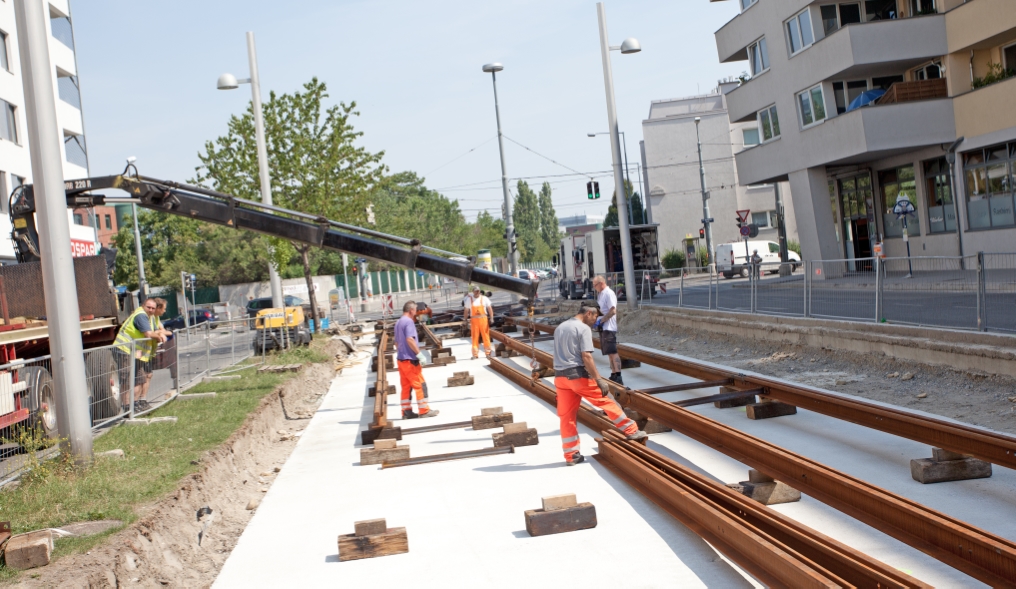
{"x": 332, "y": 558}
{"x": 520, "y": 467}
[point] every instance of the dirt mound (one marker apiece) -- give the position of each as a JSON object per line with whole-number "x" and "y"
{"x": 161, "y": 549}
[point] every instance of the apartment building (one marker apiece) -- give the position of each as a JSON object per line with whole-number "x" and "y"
{"x": 858, "y": 104}
{"x": 671, "y": 158}
{"x": 15, "y": 162}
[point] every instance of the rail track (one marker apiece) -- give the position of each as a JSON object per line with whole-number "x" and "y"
{"x": 978, "y": 553}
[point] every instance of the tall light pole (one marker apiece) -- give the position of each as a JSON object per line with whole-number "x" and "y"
{"x": 705, "y": 200}
{"x": 627, "y": 173}
{"x": 229, "y": 82}
{"x": 513, "y": 255}
{"x": 629, "y": 45}
{"x": 70, "y": 386}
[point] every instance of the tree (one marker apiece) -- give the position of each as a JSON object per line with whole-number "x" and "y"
{"x": 407, "y": 208}
{"x": 314, "y": 165}
{"x": 637, "y": 216}
{"x": 527, "y": 221}
{"x": 549, "y": 228}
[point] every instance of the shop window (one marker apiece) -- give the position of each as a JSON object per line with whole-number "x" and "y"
{"x": 988, "y": 178}
{"x": 893, "y": 183}
{"x": 938, "y": 191}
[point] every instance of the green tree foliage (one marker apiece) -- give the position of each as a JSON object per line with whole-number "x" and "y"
{"x": 637, "y": 216}
{"x": 549, "y": 227}
{"x": 527, "y": 222}
{"x": 315, "y": 166}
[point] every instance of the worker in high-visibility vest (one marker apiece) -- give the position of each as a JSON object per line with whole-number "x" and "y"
{"x": 480, "y": 315}
{"x": 145, "y": 329}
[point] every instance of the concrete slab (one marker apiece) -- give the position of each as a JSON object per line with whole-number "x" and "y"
{"x": 464, "y": 519}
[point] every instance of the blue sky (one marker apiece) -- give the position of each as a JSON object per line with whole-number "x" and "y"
{"x": 148, "y": 73}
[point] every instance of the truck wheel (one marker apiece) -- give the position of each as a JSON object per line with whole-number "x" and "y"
{"x": 41, "y": 399}
{"x": 103, "y": 384}
{"x": 744, "y": 272}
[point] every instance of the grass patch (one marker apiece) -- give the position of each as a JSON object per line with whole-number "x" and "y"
{"x": 56, "y": 493}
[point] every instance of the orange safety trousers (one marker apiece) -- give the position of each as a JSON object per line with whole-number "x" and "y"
{"x": 411, "y": 376}
{"x": 569, "y": 396}
{"x": 480, "y": 326}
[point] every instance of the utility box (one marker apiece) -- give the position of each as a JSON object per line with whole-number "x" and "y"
{"x": 691, "y": 252}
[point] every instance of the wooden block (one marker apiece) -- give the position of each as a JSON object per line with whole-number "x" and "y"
{"x": 528, "y": 437}
{"x": 385, "y": 444}
{"x": 767, "y": 493}
{"x": 353, "y": 547}
{"x": 737, "y": 402}
{"x": 492, "y": 411}
{"x": 27, "y": 551}
{"x": 462, "y": 374}
{"x": 372, "y": 391}
{"x": 542, "y": 523}
{"x": 927, "y": 470}
{"x": 645, "y": 424}
{"x": 626, "y": 363}
{"x": 755, "y": 476}
{"x": 940, "y": 455}
{"x": 370, "y": 527}
{"x": 511, "y": 428}
{"x": 555, "y": 502}
{"x": 460, "y": 381}
{"x": 492, "y": 421}
{"x": 368, "y": 436}
{"x": 769, "y": 410}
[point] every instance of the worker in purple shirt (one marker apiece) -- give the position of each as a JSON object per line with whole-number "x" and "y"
{"x": 410, "y": 372}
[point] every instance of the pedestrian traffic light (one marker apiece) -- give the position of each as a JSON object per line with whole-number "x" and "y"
{"x": 592, "y": 190}
{"x": 702, "y": 233}
{"x": 596, "y": 190}
{"x": 355, "y": 269}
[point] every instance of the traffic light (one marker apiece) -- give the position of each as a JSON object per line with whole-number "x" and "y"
{"x": 355, "y": 270}
{"x": 596, "y": 190}
{"x": 738, "y": 221}
{"x": 592, "y": 190}
{"x": 702, "y": 233}
{"x": 752, "y": 230}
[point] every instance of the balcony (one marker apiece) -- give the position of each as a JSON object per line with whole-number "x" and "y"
{"x": 979, "y": 24}
{"x": 986, "y": 109}
{"x": 856, "y": 51}
{"x": 917, "y": 90}
{"x": 855, "y": 137}
{"x": 734, "y": 37}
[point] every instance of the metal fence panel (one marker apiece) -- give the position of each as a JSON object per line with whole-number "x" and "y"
{"x": 778, "y": 295}
{"x": 930, "y": 291}
{"x": 842, "y": 289}
{"x": 998, "y": 290}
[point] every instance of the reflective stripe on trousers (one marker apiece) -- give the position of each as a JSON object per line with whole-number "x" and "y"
{"x": 569, "y": 396}
{"x": 411, "y": 379}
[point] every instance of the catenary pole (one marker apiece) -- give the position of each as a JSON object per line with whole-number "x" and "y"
{"x": 62, "y": 312}
{"x": 513, "y": 254}
{"x": 705, "y": 201}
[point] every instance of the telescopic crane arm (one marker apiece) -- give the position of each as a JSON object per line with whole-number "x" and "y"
{"x": 207, "y": 205}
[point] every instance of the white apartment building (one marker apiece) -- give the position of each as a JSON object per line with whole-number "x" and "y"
{"x": 671, "y": 159}
{"x": 937, "y": 70}
{"x": 15, "y": 162}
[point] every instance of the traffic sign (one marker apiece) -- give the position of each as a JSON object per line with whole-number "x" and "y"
{"x": 745, "y": 230}
{"x": 743, "y": 216}
{"x": 709, "y": 220}
{"x": 903, "y": 206}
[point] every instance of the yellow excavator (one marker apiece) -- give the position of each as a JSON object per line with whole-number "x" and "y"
{"x": 280, "y": 328}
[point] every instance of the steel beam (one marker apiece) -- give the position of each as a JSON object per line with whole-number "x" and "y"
{"x": 449, "y": 456}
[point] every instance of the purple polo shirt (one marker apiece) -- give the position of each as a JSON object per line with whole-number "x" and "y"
{"x": 405, "y": 328}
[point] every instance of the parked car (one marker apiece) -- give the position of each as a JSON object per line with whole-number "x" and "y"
{"x": 197, "y": 317}
{"x": 255, "y": 305}
{"x": 528, "y": 275}
{"x": 731, "y": 258}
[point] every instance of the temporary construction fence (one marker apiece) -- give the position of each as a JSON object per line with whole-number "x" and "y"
{"x": 976, "y": 292}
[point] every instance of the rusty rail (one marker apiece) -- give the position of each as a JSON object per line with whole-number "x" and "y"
{"x": 381, "y": 387}
{"x": 776, "y": 549}
{"x": 976, "y": 552}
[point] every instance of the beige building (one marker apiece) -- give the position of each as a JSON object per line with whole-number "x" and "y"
{"x": 948, "y": 71}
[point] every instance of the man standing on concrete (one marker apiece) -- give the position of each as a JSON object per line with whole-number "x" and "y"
{"x": 756, "y": 265}
{"x": 480, "y": 314}
{"x": 410, "y": 372}
{"x": 576, "y": 379}
{"x": 144, "y": 328}
{"x": 607, "y": 324}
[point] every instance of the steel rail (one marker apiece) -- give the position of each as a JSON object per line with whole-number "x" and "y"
{"x": 381, "y": 386}
{"x": 689, "y": 386}
{"x": 985, "y": 445}
{"x": 985, "y": 556}
{"x": 450, "y": 456}
{"x": 777, "y": 550}
{"x": 436, "y": 428}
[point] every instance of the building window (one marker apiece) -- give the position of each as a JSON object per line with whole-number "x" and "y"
{"x": 5, "y": 197}
{"x": 74, "y": 146}
{"x": 762, "y": 219}
{"x": 931, "y": 71}
{"x": 880, "y": 10}
{"x": 812, "y": 105}
{"x": 1009, "y": 57}
{"x": 746, "y": 4}
{"x": 758, "y": 54}
{"x": 834, "y": 203}
{"x": 941, "y": 211}
{"x": 4, "y": 59}
{"x": 769, "y": 122}
{"x": 836, "y": 16}
{"x": 67, "y": 88}
{"x": 8, "y": 121}
{"x": 988, "y": 174}
{"x": 918, "y": 7}
{"x": 62, "y": 30}
{"x": 894, "y": 183}
{"x": 799, "y": 31}
{"x": 78, "y": 219}
{"x": 750, "y": 136}
{"x": 846, "y": 92}
{"x": 109, "y": 223}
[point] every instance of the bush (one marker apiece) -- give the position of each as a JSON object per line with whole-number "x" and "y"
{"x": 794, "y": 246}
{"x": 673, "y": 258}
{"x": 703, "y": 257}
{"x": 996, "y": 73}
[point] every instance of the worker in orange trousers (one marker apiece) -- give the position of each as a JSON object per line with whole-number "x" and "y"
{"x": 480, "y": 315}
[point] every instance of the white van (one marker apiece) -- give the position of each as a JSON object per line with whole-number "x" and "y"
{"x": 732, "y": 258}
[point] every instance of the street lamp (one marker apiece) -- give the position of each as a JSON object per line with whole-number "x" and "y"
{"x": 629, "y": 45}
{"x": 229, "y": 82}
{"x": 492, "y": 69}
{"x": 627, "y": 174}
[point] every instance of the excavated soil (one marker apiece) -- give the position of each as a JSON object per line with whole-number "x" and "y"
{"x": 161, "y": 548}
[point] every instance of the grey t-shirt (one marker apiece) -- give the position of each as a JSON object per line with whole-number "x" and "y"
{"x": 571, "y": 338}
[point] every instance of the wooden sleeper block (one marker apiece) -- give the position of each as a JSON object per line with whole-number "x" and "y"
{"x": 368, "y": 435}
{"x": 516, "y": 434}
{"x": 541, "y": 522}
{"x": 460, "y": 379}
{"x": 765, "y": 489}
{"x": 27, "y": 551}
{"x": 491, "y": 421}
{"x": 372, "y": 539}
{"x": 377, "y": 455}
{"x": 628, "y": 363}
{"x": 767, "y": 409}
{"x": 372, "y": 391}
{"x": 729, "y": 403}
{"x": 645, "y": 424}
{"x": 946, "y": 466}
{"x": 370, "y": 527}
{"x": 492, "y": 411}
{"x": 555, "y": 502}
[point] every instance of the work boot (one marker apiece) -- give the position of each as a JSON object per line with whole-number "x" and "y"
{"x": 409, "y": 415}
{"x": 431, "y": 413}
{"x": 637, "y": 436}
{"x": 575, "y": 459}
{"x": 616, "y": 377}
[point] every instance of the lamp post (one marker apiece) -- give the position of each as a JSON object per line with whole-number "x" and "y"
{"x": 627, "y": 174}
{"x": 509, "y": 225}
{"x": 629, "y": 45}
{"x": 229, "y": 82}
{"x": 710, "y": 262}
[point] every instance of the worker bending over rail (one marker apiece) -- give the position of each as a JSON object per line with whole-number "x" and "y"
{"x": 478, "y": 310}
{"x": 407, "y": 351}
{"x": 577, "y": 379}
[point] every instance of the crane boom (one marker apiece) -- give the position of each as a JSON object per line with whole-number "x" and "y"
{"x": 207, "y": 205}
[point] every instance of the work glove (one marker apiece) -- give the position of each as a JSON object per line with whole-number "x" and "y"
{"x": 604, "y": 387}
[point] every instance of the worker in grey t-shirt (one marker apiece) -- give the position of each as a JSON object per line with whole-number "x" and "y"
{"x": 576, "y": 379}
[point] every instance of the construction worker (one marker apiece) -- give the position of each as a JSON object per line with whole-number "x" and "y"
{"x": 577, "y": 379}
{"x": 607, "y": 325}
{"x": 410, "y": 372}
{"x": 145, "y": 330}
{"x": 480, "y": 315}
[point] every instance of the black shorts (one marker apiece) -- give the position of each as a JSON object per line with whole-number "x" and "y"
{"x": 141, "y": 369}
{"x": 608, "y": 342}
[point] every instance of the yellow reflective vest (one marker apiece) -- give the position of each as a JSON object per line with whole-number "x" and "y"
{"x": 129, "y": 332}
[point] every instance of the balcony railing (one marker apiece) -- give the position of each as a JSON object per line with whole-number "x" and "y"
{"x": 917, "y": 90}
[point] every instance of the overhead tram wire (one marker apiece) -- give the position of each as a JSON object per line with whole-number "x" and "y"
{"x": 461, "y": 156}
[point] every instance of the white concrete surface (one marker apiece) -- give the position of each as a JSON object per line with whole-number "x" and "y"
{"x": 465, "y": 522}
